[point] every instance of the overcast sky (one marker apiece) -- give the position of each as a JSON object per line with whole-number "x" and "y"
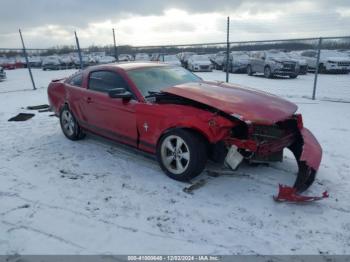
{"x": 47, "y": 23}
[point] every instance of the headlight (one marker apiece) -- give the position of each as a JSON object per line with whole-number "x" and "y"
{"x": 276, "y": 61}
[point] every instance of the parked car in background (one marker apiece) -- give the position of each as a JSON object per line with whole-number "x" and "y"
{"x": 105, "y": 59}
{"x": 51, "y": 63}
{"x": 331, "y": 61}
{"x": 125, "y": 58}
{"x": 2, "y": 74}
{"x": 142, "y": 57}
{"x": 272, "y": 63}
{"x": 171, "y": 113}
{"x": 303, "y": 66}
{"x": 86, "y": 60}
{"x": 9, "y": 63}
{"x": 35, "y": 61}
{"x": 171, "y": 60}
{"x": 66, "y": 62}
{"x": 219, "y": 59}
{"x": 20, "y": 62}
{"x": 238, "y": 62}
{"x": 184, "y": 56}
{"x": 155, "y": 57}
{"x": 199, "y": 63}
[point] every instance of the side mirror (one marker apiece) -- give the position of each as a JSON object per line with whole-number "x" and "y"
{"x": 263, "y": 58}
{"x": 120, "y": 93}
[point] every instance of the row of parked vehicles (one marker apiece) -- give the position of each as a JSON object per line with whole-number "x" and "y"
{"x": 270, "y": 63}
{"x": 277, "y": 62}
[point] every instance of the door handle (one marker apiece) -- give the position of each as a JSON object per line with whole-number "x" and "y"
{"x": 89, "y": 100}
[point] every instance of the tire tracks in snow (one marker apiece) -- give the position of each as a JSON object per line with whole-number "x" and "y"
{"x": 32, "y": 229}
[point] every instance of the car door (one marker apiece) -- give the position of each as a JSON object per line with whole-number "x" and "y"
{"x": 111, "y": 117}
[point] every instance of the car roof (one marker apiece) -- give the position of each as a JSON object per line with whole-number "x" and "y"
{"x": 130, "y": 65}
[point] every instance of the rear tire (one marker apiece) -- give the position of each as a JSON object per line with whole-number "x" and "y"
{"x": 69, "y": 125}
{"x": 182, "y": 154}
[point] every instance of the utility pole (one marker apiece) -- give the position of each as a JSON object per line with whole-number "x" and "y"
{"x": 228, "y": 49}
{"x": 115, "y": 47}
{"x": 79, "y": 51}
{"x": 27, "y": 60}
{"x": 317, "y": 68}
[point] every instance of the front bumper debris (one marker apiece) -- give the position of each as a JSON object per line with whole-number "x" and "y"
{"x": 307, "y": 152}
{"x": 290, "y": 194}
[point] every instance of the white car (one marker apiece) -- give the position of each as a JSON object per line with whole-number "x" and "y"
{"x": 105, "y": 59}
{"x": 200, "y": 63}
{"x": 35, "y": 61}
{"x": 125, "y": 58}
{"x": 142, "y": 57}
{"x": 170, "y": 59}
{"x": 330, "y": 61}
{"x": 51, "y": 63}
{"x": 184, "y": 57}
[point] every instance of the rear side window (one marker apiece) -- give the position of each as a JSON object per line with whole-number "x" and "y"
{"x": 76, "y": 80}
{"x": 104, "y": 81}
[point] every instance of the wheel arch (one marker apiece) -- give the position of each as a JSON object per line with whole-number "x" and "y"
{"x": 193, "y": 130}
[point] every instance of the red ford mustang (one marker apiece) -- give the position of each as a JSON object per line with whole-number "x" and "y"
{"x": 170, "y": 112}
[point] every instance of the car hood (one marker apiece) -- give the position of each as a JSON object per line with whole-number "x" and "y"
{"x": 246, "y": 104}
{"x": 200, "y": 62}
{"x": 336, "y": 59}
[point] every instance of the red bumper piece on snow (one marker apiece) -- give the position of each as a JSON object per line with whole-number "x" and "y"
{"x": 289, "y": 194}
{"x": 308, "y": 153}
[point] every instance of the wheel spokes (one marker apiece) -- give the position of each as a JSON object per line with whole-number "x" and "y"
{"x": 170, "y": 146}
{"x": 185, "y": 155}
{"x": 179, "y": 165}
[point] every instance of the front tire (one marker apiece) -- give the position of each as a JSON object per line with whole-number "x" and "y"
{"x": 249, "y": 70}
{"x": 182, "y": 154}
{"x": 69, "y": 125}
{"x": 267, "y": 72}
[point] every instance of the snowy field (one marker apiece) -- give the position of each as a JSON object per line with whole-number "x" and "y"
{"x": 93, "y": 196}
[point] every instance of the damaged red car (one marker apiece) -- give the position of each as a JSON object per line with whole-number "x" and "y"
{"x": 168, "y": 111}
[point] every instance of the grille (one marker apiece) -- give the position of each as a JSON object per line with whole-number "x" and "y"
{"x": 343, "y": 63}
{"x": 204, "y": 67}
{"x": 289, "y": 66}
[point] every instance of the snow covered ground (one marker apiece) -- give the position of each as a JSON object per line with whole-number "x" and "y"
{"x": 93, "y": 196}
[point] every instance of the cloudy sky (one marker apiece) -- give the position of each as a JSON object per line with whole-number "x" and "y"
{"x": 47, "y": 23}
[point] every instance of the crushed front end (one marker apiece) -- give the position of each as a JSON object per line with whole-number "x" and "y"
{"x": 259, "y": 143}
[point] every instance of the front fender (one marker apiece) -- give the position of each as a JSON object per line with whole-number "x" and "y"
{"x": 308, "y": 153}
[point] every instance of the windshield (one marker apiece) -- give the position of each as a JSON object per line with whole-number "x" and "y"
{"x": 272, "y": 54}
{"x": 200, "y": 58}
{"x": 170, "y": 58}
{"x": 154, "y": 79}
{"x": 331, "y": 53}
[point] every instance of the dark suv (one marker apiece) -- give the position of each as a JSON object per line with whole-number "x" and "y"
{"x": 272, "y": 63}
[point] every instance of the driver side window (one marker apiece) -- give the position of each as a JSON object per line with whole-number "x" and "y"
{"x": 104, "y": 81}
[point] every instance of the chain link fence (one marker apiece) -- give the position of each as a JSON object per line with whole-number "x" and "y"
{"x": 322, "y": 73}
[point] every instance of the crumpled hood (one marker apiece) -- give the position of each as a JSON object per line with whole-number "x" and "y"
{"x": 243, "y": 103}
